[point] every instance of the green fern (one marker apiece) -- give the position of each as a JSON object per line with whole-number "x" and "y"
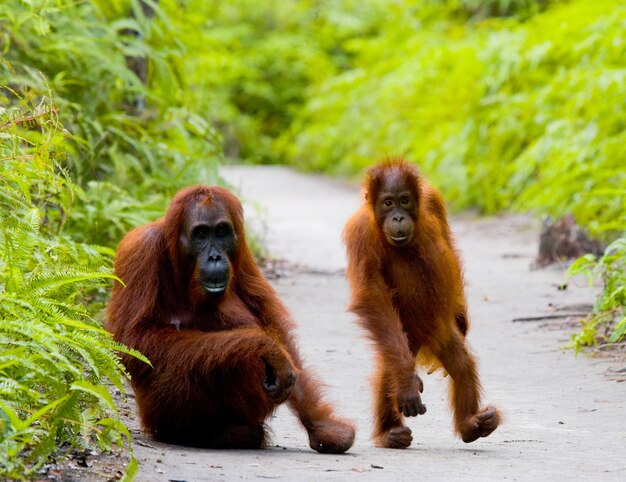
{"x": 56, "y": 361}
{"x": 607, "y": 322}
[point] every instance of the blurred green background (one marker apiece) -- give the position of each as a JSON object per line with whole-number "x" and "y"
{"x": 107, "y": 107}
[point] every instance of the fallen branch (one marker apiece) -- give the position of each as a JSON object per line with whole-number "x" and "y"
{"x": 550, "y": 317}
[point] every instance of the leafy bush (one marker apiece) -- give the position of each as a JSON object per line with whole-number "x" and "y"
{"x": 54, "y": 358}
{"x": 133, "y": 139}
{"x": 501, "y": 114}
{"x": 252, "y": 62}
{"x": 607, "y": 322}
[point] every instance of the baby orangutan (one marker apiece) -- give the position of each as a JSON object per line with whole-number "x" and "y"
{"x": 407, "y": 291}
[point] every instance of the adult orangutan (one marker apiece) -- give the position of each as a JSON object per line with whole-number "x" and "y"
{"x": 407, "y": 291}
{"x": 219, "y": 339}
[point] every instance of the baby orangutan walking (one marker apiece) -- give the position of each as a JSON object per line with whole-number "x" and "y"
{"x": 407, "y": 291}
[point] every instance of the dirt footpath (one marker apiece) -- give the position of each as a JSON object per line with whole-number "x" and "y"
{"x": 565, "y": 419}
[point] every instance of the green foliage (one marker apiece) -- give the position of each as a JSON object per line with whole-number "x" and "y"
{"x": 608, "y": 319}
{"x": 480, "y": 9}
{"x": 500, "y": 114}
{"x": 134, "y": 140}
{"x": 252, "y": 62}
{"x": 55, "y": 360}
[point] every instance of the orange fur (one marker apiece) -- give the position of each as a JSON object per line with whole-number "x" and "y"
{"x": 410, "y": 301}
{"x": 205, "y": 384}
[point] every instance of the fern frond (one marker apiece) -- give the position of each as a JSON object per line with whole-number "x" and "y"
{"x": 15, "y": 199}
{"x": 47, "y": 283}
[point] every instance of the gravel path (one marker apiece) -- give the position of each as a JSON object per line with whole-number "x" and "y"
{"x": 565, "y": 418}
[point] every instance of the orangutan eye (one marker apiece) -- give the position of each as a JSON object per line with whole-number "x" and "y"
{"x": 388, "y": 202}
{"x": 405, "y": 200}
{"x": 200, "y": 232}
{"x": 222, "y": 229}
